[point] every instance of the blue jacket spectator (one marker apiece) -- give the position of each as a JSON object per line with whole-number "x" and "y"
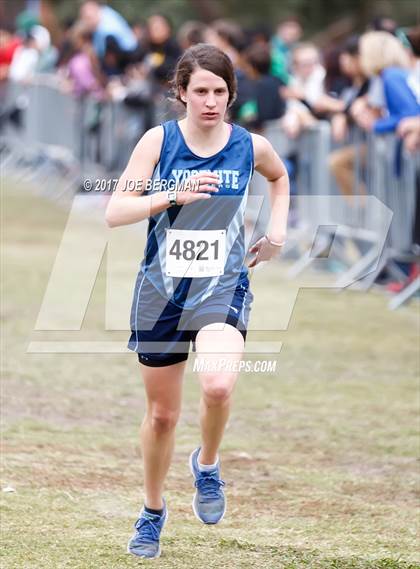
{"x": 382, "y": 55}
{"x": 400, "y": 100}
{"x": 104, "y": 22}
{"x": 113, "y": 24}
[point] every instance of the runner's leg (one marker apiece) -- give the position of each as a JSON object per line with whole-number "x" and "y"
{"x": 163, "y": 387}
{"x": 215, "y": 344}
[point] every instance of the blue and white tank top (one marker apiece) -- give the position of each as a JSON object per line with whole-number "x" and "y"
{"x": 225, "y": 210}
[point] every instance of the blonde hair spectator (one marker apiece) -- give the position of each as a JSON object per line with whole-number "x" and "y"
{"x": 379, "y": 50}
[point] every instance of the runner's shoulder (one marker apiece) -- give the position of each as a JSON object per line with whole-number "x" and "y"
{"x": 262, "y": 147}
{"x": 150, "y": 143}
{"x": 153, "y": 136}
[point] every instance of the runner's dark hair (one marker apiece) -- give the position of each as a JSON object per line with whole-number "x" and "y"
{"x": 204, "y": 56}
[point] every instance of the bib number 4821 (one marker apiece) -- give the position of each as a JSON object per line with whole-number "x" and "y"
{"x": 192, "y": 250}
{"x": 191, "y": 253}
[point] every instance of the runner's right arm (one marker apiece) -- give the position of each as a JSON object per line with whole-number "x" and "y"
{"x": 128, "y": 204}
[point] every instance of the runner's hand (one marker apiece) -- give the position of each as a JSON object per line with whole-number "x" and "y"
{"x": 263, "y": 250}
{"x": 197, "y": 187}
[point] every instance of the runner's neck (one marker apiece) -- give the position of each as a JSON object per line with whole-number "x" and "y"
{"x": 207, "y": 142}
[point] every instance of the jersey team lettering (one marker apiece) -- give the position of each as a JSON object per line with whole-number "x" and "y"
{"x": 227, "y": 178}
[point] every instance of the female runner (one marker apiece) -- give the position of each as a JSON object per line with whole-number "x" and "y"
{"x": 191, "y": 180}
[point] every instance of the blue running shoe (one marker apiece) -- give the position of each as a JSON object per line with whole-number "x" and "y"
{"x": 145, "y": 540}
{"x": 209, "y": 503}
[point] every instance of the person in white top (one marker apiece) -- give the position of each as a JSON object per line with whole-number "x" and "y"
{"x": 26, "y": 57}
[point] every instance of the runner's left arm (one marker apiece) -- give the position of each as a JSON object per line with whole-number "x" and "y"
{"x": 268, "y": 163}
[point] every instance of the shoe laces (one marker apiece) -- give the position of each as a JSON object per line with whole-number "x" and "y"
{"x": 148, "y": 529}
{"x": 209, "y": 486}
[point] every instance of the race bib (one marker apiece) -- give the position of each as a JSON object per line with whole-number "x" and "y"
{"x": 191, "y": 253}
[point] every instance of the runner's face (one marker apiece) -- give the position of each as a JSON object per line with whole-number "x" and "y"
{"x": 206, "y": 97}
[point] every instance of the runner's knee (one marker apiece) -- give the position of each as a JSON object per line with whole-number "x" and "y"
{"x": 163, "y": 421}
{"x": 217, "y": 391}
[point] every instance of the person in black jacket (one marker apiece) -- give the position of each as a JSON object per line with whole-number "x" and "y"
{"x": 163, "y": 49}
{"x": 259, "y": 99}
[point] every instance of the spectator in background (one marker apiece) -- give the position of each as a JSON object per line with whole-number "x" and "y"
{"x": 191, "y": 33}
{"x": 25, "y": 21}
{"x": 349, "y": 63}
{"x": 263, "y": 101}
{"x": 113, "y": 40}
{"x": 305, "y": 92}
{"x": 86, "y": 80}
{"x": 409, "y": 128}
{"x": 307, "y": 83}
{"x": 139, "y": 29}
{"x": 48, "y": 55}
{"x": 288, "y": 34}
{"x": 409, "y": 131}
{"x": 343, "y": 160}
{"x": 8, "y": 45}
{"x": 336, "y": 81}
{"x": 413, "y": 38}
{"x": 66, "y": 49}
{"x": 384, "y": 24}
{"x": 260, "y": 34}
{"x": 307, "y": 80}
{"x": 83, "y": 68}
{"x": 27, "y": 58}
{"x": 381, "y": 54}
{"x": 229, "y": 37}
{"x": 163, "y": 49}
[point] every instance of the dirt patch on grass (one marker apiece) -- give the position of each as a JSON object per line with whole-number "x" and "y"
{"x": 27, "y": 400}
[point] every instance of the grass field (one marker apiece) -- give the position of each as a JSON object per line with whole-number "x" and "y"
{"x": 320, "y": 459}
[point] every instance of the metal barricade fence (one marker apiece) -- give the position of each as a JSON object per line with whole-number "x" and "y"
{"x": 350, "y": 208}
{"x": 41, "y": 145}
{"x": 47, "y": 146}
{"x": 52, "y": 118}
{"x": 384, "y": 188}
{"x": 311, "y": 203}
{"x": 361, "y": 216}
{"x": 121, "y": 129}
{"x": 392, "y": 179}
{"x": 98, "y": 135}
